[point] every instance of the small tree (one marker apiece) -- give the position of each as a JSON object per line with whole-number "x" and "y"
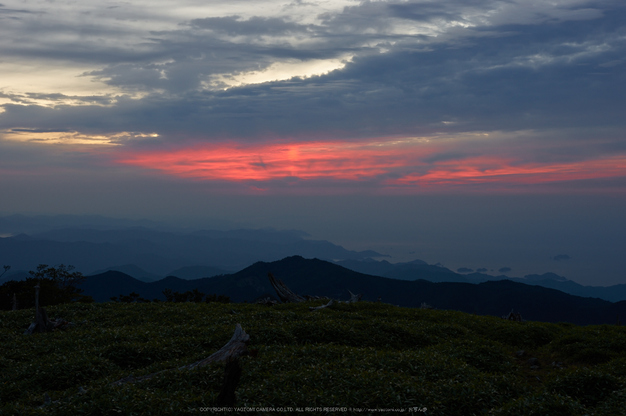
{"x": 169, "y": 295}
{"x": 57, "y": 285}
{"x": 6, "y": 269}
{"x": 63, "y": 276}
{"x": 65, "y": 279}
{"x": 196, "y": 296}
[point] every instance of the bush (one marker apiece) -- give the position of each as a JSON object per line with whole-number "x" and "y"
{"x": 591, "y": 345}
{"x": 365, "y": 355}
{"x": 587, "y": 386}
{"x": 56, "y": 287}
{"x": 541, "y": 405}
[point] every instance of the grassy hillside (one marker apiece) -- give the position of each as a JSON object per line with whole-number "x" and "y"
{"x": 365, "y": 355}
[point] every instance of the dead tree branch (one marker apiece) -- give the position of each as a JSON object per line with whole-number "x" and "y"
{"x": 285, "y": 294}
{"x": 288, "y": 296}
{"x": 353, "y": 299}
{"x": 231, "y": 351}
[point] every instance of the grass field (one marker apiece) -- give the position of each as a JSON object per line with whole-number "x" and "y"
{"x": 366, "y": 356}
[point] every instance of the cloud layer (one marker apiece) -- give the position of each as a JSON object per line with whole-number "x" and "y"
{"x": 389, "y": 94}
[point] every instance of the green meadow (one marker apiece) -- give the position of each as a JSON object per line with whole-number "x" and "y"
{"x": 365, "y": 356}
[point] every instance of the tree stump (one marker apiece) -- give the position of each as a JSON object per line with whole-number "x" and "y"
{"x": 514, "y": 316}
{"x": 42, "y": 323}
{"x": 232, "y": 374}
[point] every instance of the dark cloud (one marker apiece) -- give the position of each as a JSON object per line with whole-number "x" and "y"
{"x": 464, "y": 270}
{"x": 496, "y": 83}
{"x": 556, "y": 78}
{"x": 423, "y": 11}
{"x": 57, "y": 98}
{"x": 4, "y": 10}
{"x": 481, "y": 270}
{"x": 41, "y": 130}
{"x": 504, "y": 269}
{"x": 255, "y": 26}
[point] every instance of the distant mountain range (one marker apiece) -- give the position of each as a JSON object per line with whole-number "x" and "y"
{"x": 421, "y": 270}
{"x": 322, "y": 278}
{"x": 150, "y": 254}
{"x": 149, "y": 251}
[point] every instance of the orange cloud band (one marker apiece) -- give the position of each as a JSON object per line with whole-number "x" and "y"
{"x": 494, "y": 170}
{"x": 392, "y": 164}
{"x": 307, "y": 161}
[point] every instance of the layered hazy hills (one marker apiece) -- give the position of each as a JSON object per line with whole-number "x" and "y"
{"x": 435, "y": 273}
{"x": 149, "y": 253}
{"x": 322, "y": 278}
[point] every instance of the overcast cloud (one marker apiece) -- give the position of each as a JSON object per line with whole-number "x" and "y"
{"x": 409, "y": 67}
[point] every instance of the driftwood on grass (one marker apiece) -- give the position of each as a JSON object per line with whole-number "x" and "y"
{"x": 231, "y": 351}
{"x": 285, "y": 294}
{"x": 315, "y": 308}
{"x": 288, "y": 296}
{"x": 353, "y": 299}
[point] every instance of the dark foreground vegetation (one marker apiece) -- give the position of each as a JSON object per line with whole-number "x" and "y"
{"x": 364, "y": 355}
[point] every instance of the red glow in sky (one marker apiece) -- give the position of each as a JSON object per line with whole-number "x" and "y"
{"x": 493, "y": 169}
{"x": 399, "y": 164}
{"x": 307, "y": 161}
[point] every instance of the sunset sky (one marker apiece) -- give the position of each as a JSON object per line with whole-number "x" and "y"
{"x": 477, "y": 133}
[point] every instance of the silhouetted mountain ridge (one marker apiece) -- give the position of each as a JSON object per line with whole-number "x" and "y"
{"x": 322, "y": 278}
{"x": 434, "y": 273}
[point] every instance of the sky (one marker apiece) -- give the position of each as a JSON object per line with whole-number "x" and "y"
{"x": 478, "y": 134}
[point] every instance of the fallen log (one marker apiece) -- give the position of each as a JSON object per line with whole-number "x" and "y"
{"x": 231, "y": 351}
{"x": 315, "y": 308}
{"x": 288, "y": 296}
{"x": 285, "y": 294}
{"x": 353, "y": 299}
